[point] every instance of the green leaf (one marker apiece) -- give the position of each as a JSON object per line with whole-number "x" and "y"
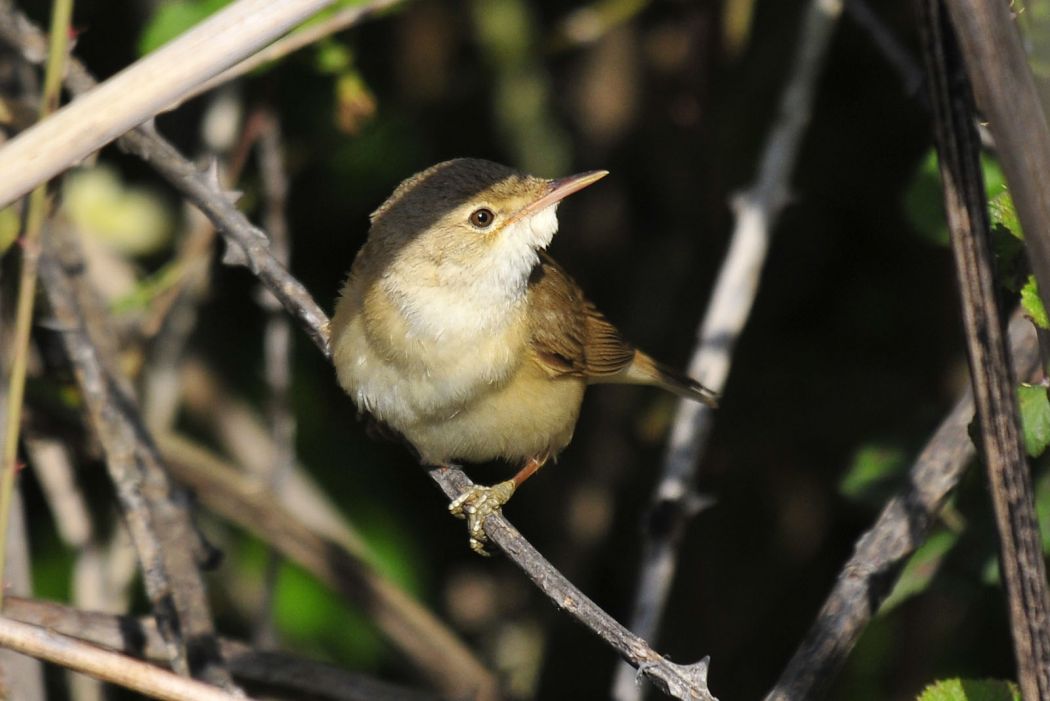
{"x": 1033, "y": 304}
{"x": 1035, "y": 418}
{"x": 871, "y": 471}
{"x": 924, "y": 199}
{"x": 332, "y": 57}
{"x": 971, "y": 690}
{"x": 921, "y": 569}
{"x": 173, "y": 18}
{"x": 1001, "y": 208}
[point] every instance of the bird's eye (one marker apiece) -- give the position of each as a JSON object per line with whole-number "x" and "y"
{"x": 482, "y": 218}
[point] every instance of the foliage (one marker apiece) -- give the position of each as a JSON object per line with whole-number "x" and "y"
{"x": 971, "y": 690}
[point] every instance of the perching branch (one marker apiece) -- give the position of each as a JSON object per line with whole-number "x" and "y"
{"x": 204, "y": 192}
{"x": 958, "y": 148}
{"x": 272, "y": 673}
{"x": 757, "y": 208}
{"x": 868, "y": 577}
{"x": 679, "y": 681}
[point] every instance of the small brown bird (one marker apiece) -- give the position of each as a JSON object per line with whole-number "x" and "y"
{"x": 458, "y": 331}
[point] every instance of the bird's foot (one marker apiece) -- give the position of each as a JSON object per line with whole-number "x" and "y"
{"x": 476, "y": 505}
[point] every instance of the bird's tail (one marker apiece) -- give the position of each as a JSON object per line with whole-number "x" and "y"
{"x": 645, "y": 370}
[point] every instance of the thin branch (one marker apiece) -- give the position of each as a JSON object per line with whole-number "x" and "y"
{"x": 58, "y": 48}
{"x": 275, "y": 673}
{"x": 425, "y": 640}
{"x": 683, "y": 681}
{"x": 958, "y": 148}
{"x": 109, "y": 666}
{"x": 156, "y": 516}
{"x": 292, "y": 42}
{"x": 140, "y": 91}
{"x": 675, "y": 499}
{"x": 868, "y": 577}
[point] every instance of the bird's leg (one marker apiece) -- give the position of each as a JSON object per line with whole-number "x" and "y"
{"x": 479, "y": 502}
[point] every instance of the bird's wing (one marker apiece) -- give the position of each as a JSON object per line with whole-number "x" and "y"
{"x": 568, "y": 335}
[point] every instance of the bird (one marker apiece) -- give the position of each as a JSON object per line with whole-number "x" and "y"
{"x": 458, "y": 332}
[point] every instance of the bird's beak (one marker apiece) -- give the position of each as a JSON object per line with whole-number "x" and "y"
{"x": 560, "y": 188}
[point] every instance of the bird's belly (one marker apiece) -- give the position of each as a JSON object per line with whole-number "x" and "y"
{"x": 532, "y": 415}
{"x": 425, "y": 381}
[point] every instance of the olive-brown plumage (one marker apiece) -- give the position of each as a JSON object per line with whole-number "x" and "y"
{"x": 457, "y": 330}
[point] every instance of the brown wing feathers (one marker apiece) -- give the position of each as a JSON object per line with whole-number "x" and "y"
{"x": 571, "y": 337}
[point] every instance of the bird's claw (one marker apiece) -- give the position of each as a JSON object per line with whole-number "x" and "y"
{"x": 477, "y": 504}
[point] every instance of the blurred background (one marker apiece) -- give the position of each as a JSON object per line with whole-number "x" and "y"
{"x": 850, "y": 359}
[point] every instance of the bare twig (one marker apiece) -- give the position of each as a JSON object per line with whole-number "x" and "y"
{"x": 757, "y": 208}
{"x": 61, "y": 13}
{"x": 292, "y": 42}
{"x": 140, "y": 91}
{"x": 426, "y": 642}
{"x": 275, "y": 673}
{"x": 680, "y": 680}
{"x": 157, "y": 517}
{"x": 868, "y": 576}
{"x": 103, "y": 664}
{"x": 958, "y": 148}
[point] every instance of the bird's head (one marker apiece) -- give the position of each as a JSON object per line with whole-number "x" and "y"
{"x": 471, "y": 222}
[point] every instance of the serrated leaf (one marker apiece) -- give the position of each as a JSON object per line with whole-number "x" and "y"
{"x": 971, "y": 690}
{"x": 1001, "y": 207}
{"x": 1033, "y": 303}
{"x": 1035, "y": 418}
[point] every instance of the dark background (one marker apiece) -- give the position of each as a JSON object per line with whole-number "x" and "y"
{"x": 853, "y": 347}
